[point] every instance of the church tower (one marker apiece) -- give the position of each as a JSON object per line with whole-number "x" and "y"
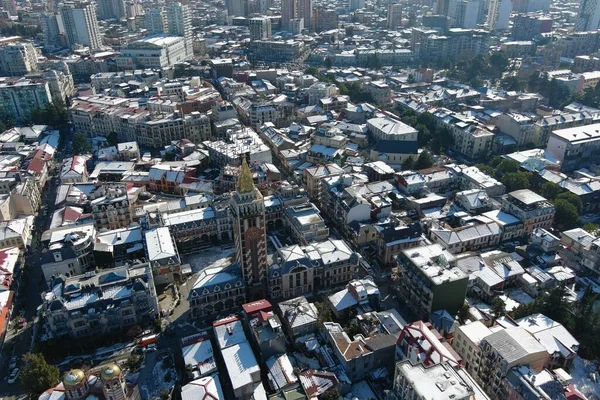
{"x": 249, "y": 232}
{"x": 113, "y": 383}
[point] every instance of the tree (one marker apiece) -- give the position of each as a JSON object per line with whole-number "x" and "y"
{"x": 486, "y": 169}
{"x": 498, "y": 308}
{"x": 331, "y": 394}
{"x": 507, "y": 166}
{"x": 311, "y": 71}
{"x": 566, "y": 215}
{"x": 169, "y": 156}
{"x": 352, "y": 329}
{"x": 113, "y": 138}
{"x": 37, "y": 375}
{"x": 571, "y": 198}
{"x": 550, "y": 190}
{"x": 328, "y": 62}
{"x": 590, "y": 227}
{"x": 463, "y": 313}
{"x": 424, "y": 134}
{"x": 516, "y": 180}
{"x": 325, "y": 314}
{"x": 408, "y": 164}
{"x": 556, "y": 306}
{"x": 499, "y": 61}
{"x": 81, "y": 144}
{"x": 425, "y": 160}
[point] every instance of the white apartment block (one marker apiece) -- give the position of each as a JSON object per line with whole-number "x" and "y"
{"x": 81, "y": 24}
{"x": 156, "y": 51}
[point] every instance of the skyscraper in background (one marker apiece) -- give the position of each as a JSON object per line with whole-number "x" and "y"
{"x": 179, "y": 22}
{"x": 155, "y": 20}
{"x": 81, "y": 24}
{"x": 260, "y": 28}
{"x": 237, "y": 8}
{"x": 394, "y": 16}
{"x": 111, "y": 9}
{"x": 51, "y": 28}
{"x": 499, "y": 14}
{"x": 293, "y": 9}
{"x": 588, "y": 17}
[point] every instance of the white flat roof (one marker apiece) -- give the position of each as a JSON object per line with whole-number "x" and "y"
{"x": 241, "y": 364}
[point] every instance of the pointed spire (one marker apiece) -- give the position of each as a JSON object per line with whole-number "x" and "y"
{"x": 245, "y": 182}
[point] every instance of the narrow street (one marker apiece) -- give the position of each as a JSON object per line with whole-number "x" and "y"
{"x": 18, "y": 343}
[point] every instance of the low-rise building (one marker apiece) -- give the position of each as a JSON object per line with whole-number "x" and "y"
{"x": 299, "y": 317}
{"x": 67, "y": 251}
{"x": 305, "y": 224}
{"x": 532, "y": 209}
{"x": 101, "y": 303}
{"x": 162, "y": 254}
{"x": 217, "y": 289}
{"x": 504, "y": 349}
{"x": 360, "y": 355}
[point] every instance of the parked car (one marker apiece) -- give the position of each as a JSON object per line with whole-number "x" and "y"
{"x": 14, "y": 375}
{"x": 13, "y": 362}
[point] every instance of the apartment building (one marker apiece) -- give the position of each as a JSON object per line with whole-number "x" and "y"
{"x": 386, "y": 128}
{"x": 277, "y": 51}
{"x": 560, "y": 344}
{"x": 360, "y": 355}
{"x": 313, "y": 177}
{"x": 386, "y": 56}
{"x": 584, "y": 246}
{"x": 111, "y": 207}
{"x": 428, "y": 280}
{"x": 242, "y": 142}
{"x": 576, "y": 147}
{"x": 68, "y": 250}
{"x": 456, "y": 44}
{"x": 155, "y": 51}
{"x": 20, "y": 97}
{"x": 80, "y": 24}
{"x": 466, "y": 343}
{"x": 502, "y": 350}
{"x": 18, "y": 59}
{"x": 305, "y": 223}
{"x": 476, "y": 233}
{"x": 532, "y": 209}
{"x": 103, "y": 303}
{"x": 16, "y": 232}
{"x": 438, "y": 381}
{"x": 392, "y": 240}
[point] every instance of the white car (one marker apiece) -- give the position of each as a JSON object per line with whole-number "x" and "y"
{"x": 14, "y": 375}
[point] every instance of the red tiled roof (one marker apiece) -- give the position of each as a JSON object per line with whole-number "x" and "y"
{"x": 260, "y": 305}
{"x": 36, "y": 165}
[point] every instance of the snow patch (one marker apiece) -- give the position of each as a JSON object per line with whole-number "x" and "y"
{"x": 582, "y": 372}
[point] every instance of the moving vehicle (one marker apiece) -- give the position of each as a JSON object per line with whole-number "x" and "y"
{"x": 14, "y": 375}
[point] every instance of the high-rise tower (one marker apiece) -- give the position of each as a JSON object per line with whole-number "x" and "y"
{"x": 81, "y": 25}
{"x": 248, "y": 210}
{"x": 179, "y": 21}
{"x": 293, "y": 9}
{"x": 588, "y": 18}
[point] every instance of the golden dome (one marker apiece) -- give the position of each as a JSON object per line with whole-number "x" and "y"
{"x": 74, "y": 377}
{"x": 110, "y": 371}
